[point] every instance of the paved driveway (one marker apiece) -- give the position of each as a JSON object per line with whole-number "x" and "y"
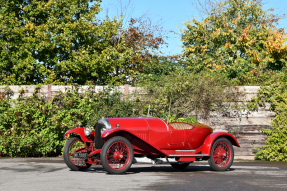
{"x": 42, "y": 174}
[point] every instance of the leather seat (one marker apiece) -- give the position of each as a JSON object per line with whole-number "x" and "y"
{"x": 181, "y": 126}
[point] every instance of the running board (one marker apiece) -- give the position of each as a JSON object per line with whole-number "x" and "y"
{"x": 179, "y": 153}
{"x": 196, "y": 155}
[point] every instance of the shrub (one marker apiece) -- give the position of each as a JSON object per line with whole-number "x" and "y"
{"x": 189, "y": 119}
{"x": 186, "y": 94}
{"x": 275, "y": 148}
{"x": 32, "y": 127}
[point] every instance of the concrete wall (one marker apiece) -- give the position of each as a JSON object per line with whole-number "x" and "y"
{"x": 245, "y": 126}
{"x": 48, "y": 91}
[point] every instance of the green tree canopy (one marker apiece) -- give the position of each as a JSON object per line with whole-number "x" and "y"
{"x": 58, "y": 42}
{"x": 238, "y": 39}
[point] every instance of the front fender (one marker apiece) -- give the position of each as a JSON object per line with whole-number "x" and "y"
{"x": 79, "y": 131}
{"x": 209, "y": 140}
{"x": 108, "y": 132}
{"x": 140, "y": 144}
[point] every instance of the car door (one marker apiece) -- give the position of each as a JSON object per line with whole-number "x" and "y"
{"x": 177, "y": 137}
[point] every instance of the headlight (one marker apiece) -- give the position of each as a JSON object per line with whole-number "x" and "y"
{"x": 88, "y": 130}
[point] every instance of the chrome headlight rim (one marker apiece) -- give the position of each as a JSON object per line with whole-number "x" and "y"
{"x": 105, "y": 122}
{"x": 87, "y": 130}
{"x": 103, "y": 129}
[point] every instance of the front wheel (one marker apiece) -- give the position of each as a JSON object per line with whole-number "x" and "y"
{"x": 221, "y": 155}
{"x": 117, "y": 155}
{"x": 75, "y": 153}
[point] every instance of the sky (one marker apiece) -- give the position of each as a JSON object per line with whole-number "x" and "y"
{"x": 171, "y": 15}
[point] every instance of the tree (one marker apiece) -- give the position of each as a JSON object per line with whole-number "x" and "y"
{"x": 158, "y": 68}
{"x": 58, "y": 42}
{"x": 237, "y": 39}
{"x": 144, "y": 40}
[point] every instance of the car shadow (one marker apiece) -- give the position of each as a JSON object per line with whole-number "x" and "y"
{"x": 171, "y": 169}
{"x": 97, "y": 169}
{"x": 168, "y": 169}
{"x": 102, "y": 170}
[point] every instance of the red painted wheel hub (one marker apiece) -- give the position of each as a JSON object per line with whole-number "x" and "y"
{"x": 118, "y": 155}
{"x": 221, "y": 154}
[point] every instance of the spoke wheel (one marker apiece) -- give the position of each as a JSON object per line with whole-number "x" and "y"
{"x": 75, "y": 145}
{"x": 117, "y": 155}
{"x": 222, "y": 154}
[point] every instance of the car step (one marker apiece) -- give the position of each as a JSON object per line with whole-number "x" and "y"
{"x": 195, "y": 155}
{"x": 179, "y": 153}
{"x": 155, "y": 161}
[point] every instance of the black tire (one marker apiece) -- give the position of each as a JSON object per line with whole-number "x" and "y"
{"x": 221, "y": 155}
{"x": 69, "y": 159}
{"x": 179, "y": 166}
{"x": 118, "y": 151}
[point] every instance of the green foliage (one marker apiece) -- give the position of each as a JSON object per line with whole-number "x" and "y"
{"x": 185, "y": 94}
{"x": 238, "y": 40}
{"x": 58, "y": 42}
{"x": 274, "y": 92}
{"x": 32, "y": 127}
{"x": 157, "y": 68}
{"x": 174, "y": 118}
{"x": 189, "y": 119}
{"x": 63, "y": 42}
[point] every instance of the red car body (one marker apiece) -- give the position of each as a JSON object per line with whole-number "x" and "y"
{"x": 124, "y": 138}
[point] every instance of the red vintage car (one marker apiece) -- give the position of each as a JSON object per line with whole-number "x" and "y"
{"x": 116, "y": 141}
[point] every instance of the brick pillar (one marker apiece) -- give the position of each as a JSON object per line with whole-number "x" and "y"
{"x": 49, "y": 92}
{"x": 126, "y": 92}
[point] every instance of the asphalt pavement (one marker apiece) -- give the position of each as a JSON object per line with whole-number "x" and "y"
{"x": 52, "y": 174}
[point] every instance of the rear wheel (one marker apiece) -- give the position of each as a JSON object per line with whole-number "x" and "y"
{"x": 179, "y": 166}
{"x": 117, "y": 155}
{"x": 74, "y": 154}
{"x": 221, "y": 155}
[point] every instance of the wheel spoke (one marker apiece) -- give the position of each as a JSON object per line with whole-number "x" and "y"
{"x": 118, "y": 155}
{"x": 77, "y": 147}
{"x": 221, "y": 154}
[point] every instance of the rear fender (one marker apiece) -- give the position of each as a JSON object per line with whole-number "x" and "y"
{"x": 209, "y": 140}
{"x": 80, "y": 132}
